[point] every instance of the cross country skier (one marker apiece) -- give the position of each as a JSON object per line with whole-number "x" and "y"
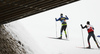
{"x": 64, "y": 25}
{"x": 90, "y": 30}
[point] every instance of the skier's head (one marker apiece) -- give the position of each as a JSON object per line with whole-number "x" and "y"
{"x": 61, "y": 14}
{"x": 88, "y": 23}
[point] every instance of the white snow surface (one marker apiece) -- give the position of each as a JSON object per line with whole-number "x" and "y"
{"x": 34, "y": 31}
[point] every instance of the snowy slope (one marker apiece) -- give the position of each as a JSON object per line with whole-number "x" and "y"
{"x": 20, "y": 33}
{"x": 42, "y": 26}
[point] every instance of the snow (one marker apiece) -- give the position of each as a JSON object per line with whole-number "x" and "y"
{"x": 34, "y": 31}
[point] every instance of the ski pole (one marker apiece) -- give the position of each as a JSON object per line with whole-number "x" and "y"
{"x": 56, "y": 28}
{"x": 67, "y": 31}
{"x": 82, "y": 37}
{"x": 97, "y": 40}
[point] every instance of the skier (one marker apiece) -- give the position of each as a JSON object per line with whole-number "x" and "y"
{"x": 90, "y": 30}
{"x": 64, "y": 25}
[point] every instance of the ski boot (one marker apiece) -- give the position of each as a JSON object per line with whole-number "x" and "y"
{"x": 66, "y": 36}
{"x": 60, "y": 37}
{"x": 98, "y": 47}
{"x": 88, "y": 47}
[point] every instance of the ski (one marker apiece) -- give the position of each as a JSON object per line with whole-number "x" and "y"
{"x": 57, "y": 38}
{"x": 88, "y": 48}
{"x": 85, "y": 48}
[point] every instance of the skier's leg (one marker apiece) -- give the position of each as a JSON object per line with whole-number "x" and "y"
{"x": 89, "y": 41}
{"x": 65, "y": 31}
{"x": 95, "y": 40}
{"x": 61, "y": 32}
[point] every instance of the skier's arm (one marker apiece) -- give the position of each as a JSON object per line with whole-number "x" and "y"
{"x": 57, "y": 19}
{"x": 66, "y": 18}
{"x": 83, "y": 27}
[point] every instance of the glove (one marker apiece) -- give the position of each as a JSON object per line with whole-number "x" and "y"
{"x": 56, "y": 19}
{"x": 66, "y": 15}
{"x": 80, "y": 24}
